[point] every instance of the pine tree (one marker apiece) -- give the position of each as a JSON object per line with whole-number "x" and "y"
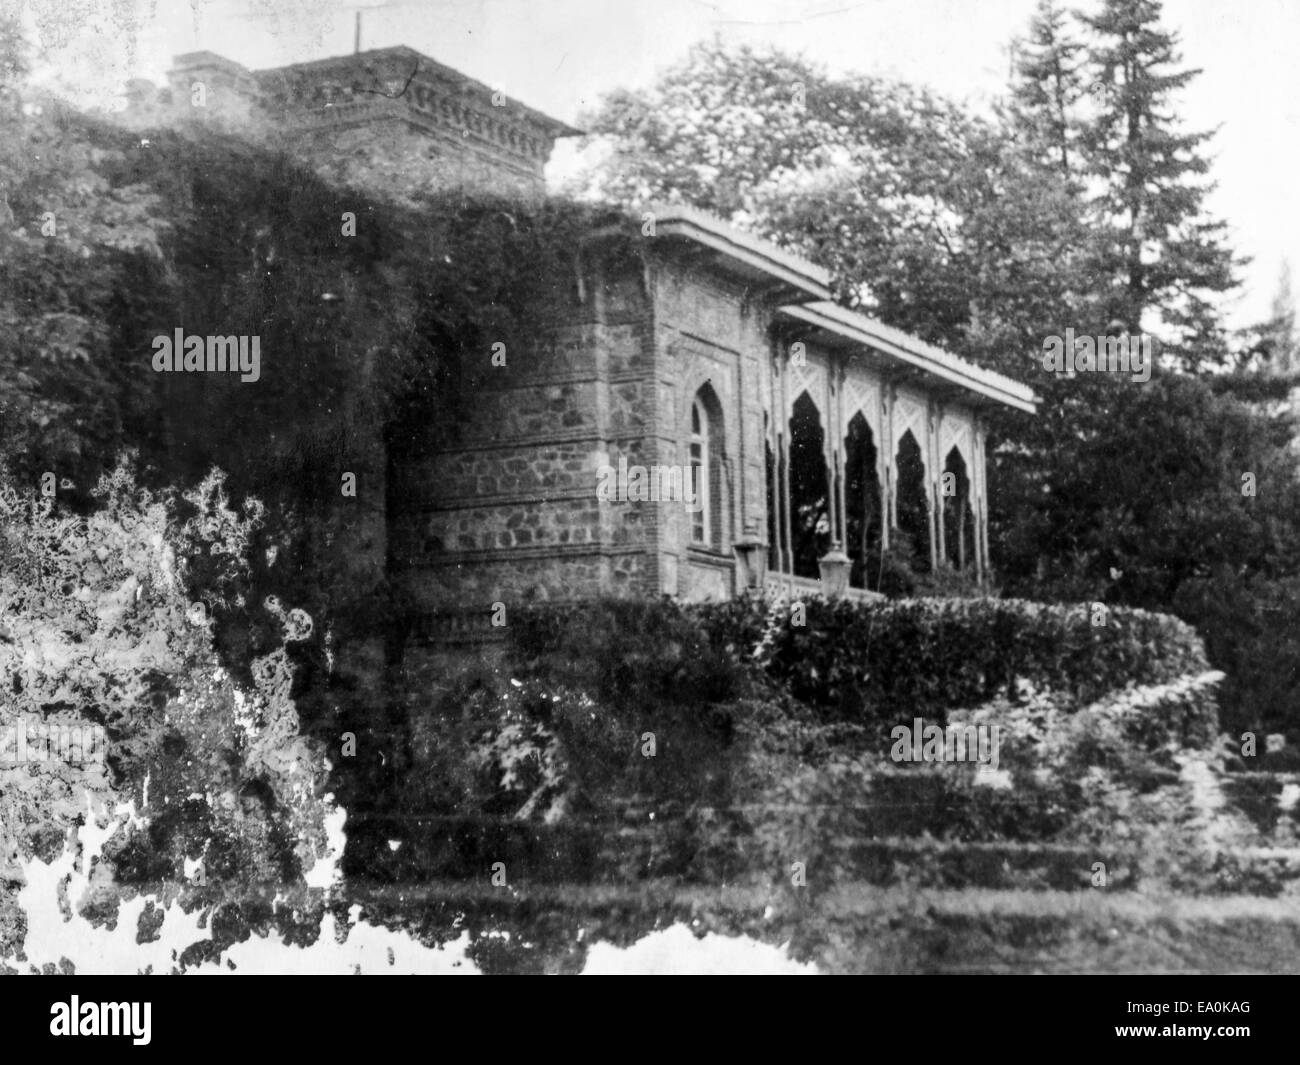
{"x": 1048, "y": 86}
{"x": 1280, "y": 343}
{"x": 1160, "y": 259}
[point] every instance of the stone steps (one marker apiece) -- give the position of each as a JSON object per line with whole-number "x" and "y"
{"x": 971, "y": 931}
{"x": 862, "y": 927}
{"x": 919, "y": 827}
{"x": 665, "y": 848}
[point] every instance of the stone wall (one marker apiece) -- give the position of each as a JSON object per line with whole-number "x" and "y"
{"x": 508, "y": 511}
{"x": 390, "y": 156}
{"x": 391, "y": 122}
{"x": 709, "y": 335}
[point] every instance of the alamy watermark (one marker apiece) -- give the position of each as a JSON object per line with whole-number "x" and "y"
{"x": 934, "y": 743}
{"x": 35, "y": 740}
{"x": 637, "y": 484}
{"x": 77, "y": 1018}
{"x": 1132, "y": 355}
{"x": 214, "y": 354}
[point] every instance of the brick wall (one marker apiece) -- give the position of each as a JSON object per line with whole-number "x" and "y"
{"x": 391, "y": 122}
{"x": 709, "y": 334}
{"x": 508, "y": 512}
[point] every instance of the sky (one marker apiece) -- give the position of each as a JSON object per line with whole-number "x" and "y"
{"x": 562, "y": 56}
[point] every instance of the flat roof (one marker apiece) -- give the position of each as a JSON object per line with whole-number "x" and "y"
{"x": 858, "y": 329}
{"x": 427, "y": 65}
{"x": 743, "y": 252}
{"x": 757, "y": 258}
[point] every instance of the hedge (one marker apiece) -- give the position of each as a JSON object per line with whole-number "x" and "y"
{"x": 924, "y": 657}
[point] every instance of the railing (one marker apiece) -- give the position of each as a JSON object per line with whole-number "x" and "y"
{"x": 787, "y": 584}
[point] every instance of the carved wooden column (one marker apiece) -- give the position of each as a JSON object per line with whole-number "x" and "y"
{"x": 830, "y": 452}
{"x": 937, "y": 435}
{"x": 979, "y": 490}
{"x": 931, "y": 479}
{"x": 783, "y": 464}
{"x": 889, "y": 397}
{"x": 838, "y": 471}
{"x": 882, "y": 463}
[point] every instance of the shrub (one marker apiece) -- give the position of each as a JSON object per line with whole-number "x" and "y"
{"x": 901, "y": 573}
{"x": 1136, "y": 729}
{"x": 552, "y": 742}
{"x": 630, "y": 651}
{"x": 924, "y": 657}
{"x": 1115, "y": 771}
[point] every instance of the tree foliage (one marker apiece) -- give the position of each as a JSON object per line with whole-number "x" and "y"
{"x": 1080, "y": 205}
{"x": 1163, "y": 259}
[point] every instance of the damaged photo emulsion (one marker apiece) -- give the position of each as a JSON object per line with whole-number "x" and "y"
{"x": 32, "y": 740}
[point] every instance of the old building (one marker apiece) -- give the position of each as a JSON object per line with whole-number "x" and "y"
{"x": 387, "y": 119}
{"x": 703, "y": 421}
{"x": 707, "y": 421}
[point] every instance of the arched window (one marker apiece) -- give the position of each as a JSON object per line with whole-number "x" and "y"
{"x": 958, "y": 517}
{"x": 810, "y": 486}
{"x": 911, "y": 510}
{"x": 861, "y": 504}
{"x": 700, "y": 486}
{"x": 705, "y": 471}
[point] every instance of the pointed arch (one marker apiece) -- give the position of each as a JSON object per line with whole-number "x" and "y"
{"x": 706, "y": 445}
{"x": 863, "y": 503}
{"x": 810, "y": 488}
{"x": 958, "y": 513}
{"x": 912, "y": 500}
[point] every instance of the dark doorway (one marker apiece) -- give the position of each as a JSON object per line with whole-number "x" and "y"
{"x": 809, "y": 488}
{"x": 958, "y": 517}
{"x": 861, "y": 503}
{"x": 913, "y": 518}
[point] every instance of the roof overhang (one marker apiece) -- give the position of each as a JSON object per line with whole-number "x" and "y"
{"x": 757, "y": 262}
{"x": 838, "y": 327}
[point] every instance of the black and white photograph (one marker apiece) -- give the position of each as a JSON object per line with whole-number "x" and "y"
{"x": 667, "y": 487}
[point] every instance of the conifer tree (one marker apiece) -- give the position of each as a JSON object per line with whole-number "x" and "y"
{"x": 1280, "y": 345}
{"x": 1047, "y": 89}
{"x": 1159, "y": 259}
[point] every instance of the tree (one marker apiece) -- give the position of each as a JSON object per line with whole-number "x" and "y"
{"x": 1160, "y": 259}
{"x": 919, "y": 209}
{"x": 1078, "y": 207}
{"x": 1279, "y": 343}
{"x": 70, "y": 220}
{"x": 1047, "y": 91}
